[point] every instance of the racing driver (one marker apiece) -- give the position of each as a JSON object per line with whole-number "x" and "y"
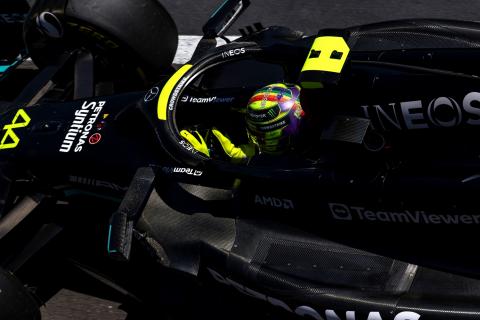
{"x": 273, "y": 119}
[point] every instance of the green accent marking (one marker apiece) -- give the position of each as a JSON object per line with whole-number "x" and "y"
{"x": 312, "y": 85}
{"x": 108, "y": 241}
{"x": 219, "y": 8}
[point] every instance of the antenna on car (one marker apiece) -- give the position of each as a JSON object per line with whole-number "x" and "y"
{"x": 222, "y": 18}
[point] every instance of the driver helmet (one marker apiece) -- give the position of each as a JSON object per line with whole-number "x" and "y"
{"x": 273, "y": 117}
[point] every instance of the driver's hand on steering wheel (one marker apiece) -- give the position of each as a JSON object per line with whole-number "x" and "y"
{"x": 218, "y": 146}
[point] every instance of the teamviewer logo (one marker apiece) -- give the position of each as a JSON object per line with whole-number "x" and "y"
{"x": 340, "y": 211}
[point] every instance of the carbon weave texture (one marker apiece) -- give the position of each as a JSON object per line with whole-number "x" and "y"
{"x": 416, "y": 34}
{"x": 325, "y": 265}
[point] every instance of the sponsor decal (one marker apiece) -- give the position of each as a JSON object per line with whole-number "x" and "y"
{"x": 96, "y": 183}
{"x": 224, "y": 99}
{"x": 151, "y": 94}
{"x": 274, "y": 202}
{"x": 8, "y": 18}
{"x": 189, "y": 171}
{"x": 10, "y": 139}
{"x": 95, "y": 138}
{"x": 266, "y": 95}
{"x": 233, "y": 52}
{"x": 305, "y": 311}
{"x": 100, "y": 125}
{"x": 83, "y": 123}
{"x": 276, "y": 125}
{"x": 176, "y": 91}
{"x": 257, "y": 116}
{"x": 49, "y": 25}
{"x": 345, "y": 212}
{"x": 441, "y": 112}
{"x": 188, "y": 147}
{"x": 207, "y": 99}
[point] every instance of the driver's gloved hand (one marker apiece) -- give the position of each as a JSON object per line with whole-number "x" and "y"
{"x": 218, "y": 146}
{"x": 225, "y": 149}
{"x": 196, "y": 140}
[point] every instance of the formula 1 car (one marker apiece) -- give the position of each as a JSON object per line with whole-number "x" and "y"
{"x": 374, "y": 219}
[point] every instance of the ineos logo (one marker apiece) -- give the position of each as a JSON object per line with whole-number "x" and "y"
{"x": 233, "y": 52}
{"x": 441, "y": 112}
{"x": 49, "y": 25}
{"x": 445, "y": 105}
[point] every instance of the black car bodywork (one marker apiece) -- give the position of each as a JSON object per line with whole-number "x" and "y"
{"x": 374, "y": 219}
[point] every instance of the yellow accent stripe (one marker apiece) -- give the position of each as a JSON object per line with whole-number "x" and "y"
{"x": 167, "y": 90}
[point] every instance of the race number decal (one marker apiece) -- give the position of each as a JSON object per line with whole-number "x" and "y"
{"x": 327, "y": 54}
{"x": 10, "y": 135}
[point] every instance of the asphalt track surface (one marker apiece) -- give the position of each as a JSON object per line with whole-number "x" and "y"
{"x": 311, "y": 15}
{"x": 308, "y": 16}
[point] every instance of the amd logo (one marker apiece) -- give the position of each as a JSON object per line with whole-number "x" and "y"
{"x": 274, "y": 202}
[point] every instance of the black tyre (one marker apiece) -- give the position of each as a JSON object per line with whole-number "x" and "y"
{"x": 139, "y": 33}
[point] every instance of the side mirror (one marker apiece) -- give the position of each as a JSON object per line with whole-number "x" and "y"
{"x": 223, "y": 17}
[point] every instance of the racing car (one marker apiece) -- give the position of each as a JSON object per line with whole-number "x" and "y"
{"x": 374, "y": 219}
